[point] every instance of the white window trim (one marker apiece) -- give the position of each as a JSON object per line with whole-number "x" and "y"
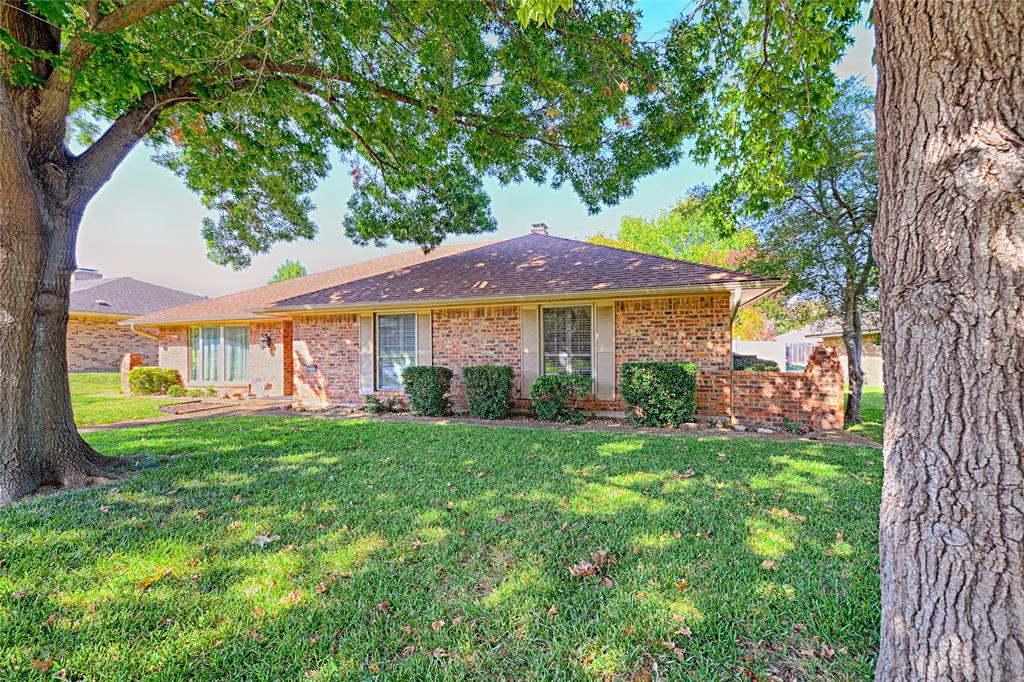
{"x": 376, "y": 346}
{"x": 222, "y": 364}
{"x": 593, "y": 335}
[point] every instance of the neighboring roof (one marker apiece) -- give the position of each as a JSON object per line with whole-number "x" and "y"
{"x": 870, "y": 323}
{"x": 530, "y": 265}
{"x": 239, "y": 306}
{"x": 123, "y": 296}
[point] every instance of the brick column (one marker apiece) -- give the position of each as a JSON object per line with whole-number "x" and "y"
{"x": 128, "y": 363}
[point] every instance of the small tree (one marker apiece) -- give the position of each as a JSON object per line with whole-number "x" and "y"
{"x": 290, "y": 269}
{"x": 820, "y": 236}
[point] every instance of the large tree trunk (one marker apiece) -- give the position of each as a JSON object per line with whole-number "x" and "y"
{"x": 950, "y": 246}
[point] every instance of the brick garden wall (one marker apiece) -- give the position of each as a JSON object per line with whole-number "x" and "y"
{"x": 812, "y": 399}
{"x": 96, "y": 344}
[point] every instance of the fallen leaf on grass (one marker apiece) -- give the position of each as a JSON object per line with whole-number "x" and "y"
{"x": 417, "y": 544}
{"x": 321, "y": 588}
{"x": 105, "y": 508}
{"x": 262, "y": 541}
{"x": 51, "y": 620}
{"x": 583, "y": 569}
{"x": 154, "y": 579}
{"x": 42, "y": 666}
{"x": 384, "y": 606}
{"x": 407, "y": 650}
{"x": 682, "y": 584}
{"x": 679, "y": 476}
{"x": 234, "y": 525}
{"x": 437, "y": 625}
{"x": 292, "y": 597}
{"x": 827, "y": 652}
{"x": 769, "y": 564}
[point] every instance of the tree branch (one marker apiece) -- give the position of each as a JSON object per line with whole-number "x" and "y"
{"x": 466, "y": 119}
{"x": 96, "y": 164}
{"x": 54, "y": 103}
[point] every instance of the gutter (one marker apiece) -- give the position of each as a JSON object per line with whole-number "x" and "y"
{"x": 142, "y": 333}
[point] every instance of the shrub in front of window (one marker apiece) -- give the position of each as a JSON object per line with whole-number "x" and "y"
{"x": 152, "y": 380}
{"x": 556, "y": 397}
{"x": 752, "y": 363}
{"x": 176, "y": 391}
{"x": 488, "y": 390}
{"x": 659, "y": 393}
{"x": 427, "y": 387}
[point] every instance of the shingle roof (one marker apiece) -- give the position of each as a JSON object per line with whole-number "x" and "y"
{"x": 238, "y": 306}
{"x": 124, "y": 296}
{"x": 530, "y": 265}
{"x": 870, "y": 323}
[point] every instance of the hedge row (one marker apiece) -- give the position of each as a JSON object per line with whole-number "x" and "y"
{"x": 656, "y": 393}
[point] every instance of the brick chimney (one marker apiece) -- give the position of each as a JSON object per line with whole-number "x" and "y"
{"x": 539, "y": 228}
{"x": 82, "y": 274}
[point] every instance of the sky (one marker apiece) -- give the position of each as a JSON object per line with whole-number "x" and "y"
{"x": 146, "y": 224}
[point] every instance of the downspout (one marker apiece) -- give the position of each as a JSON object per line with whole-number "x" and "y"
{"x": 735, "y": 299}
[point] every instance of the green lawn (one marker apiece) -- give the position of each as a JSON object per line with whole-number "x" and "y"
{"x": 872, "y": 414}
{"x": 96, "y": 399}
{"x": 414, "y": 551}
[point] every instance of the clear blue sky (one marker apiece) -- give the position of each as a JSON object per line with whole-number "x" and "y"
{"x": 145, "y": 224}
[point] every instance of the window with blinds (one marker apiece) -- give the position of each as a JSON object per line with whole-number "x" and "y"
{"x": 568, "y": 340}
{"x": 396, "y": 349}
{"x": 218, "y": 354}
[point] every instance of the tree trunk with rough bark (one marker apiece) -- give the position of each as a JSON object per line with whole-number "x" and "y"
{"x": 39, "y": 216}
{"x": 950, "y": 246}
{"x": 854, "y": 370}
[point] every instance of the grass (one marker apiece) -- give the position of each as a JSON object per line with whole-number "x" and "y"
{"x": 96, "y": 399}
{"x": 872, "y": 414}
{"x": 415, "y": 551}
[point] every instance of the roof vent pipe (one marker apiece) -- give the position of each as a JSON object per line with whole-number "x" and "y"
{"x": 539, "y": 228}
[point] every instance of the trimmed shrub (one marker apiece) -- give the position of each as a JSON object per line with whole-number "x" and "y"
{"x": 195, "y": 393}
{"x": 659, "y": 393}
{"x": 152, "y": 380}
{"x": 427, "y": 387}
{"x": 176, "y": 391}
{"x": 375, "y": 405}
{"x": 556, "y": 397}
{"x": 488, "y": 390}
{"x": 212, "y": 391}
{"x": 752, "y": 363}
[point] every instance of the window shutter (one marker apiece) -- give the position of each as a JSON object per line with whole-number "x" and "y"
{"x": 423, "y": 339}
{"x": 530, "y": 347}
{"x": 604, "y": 374}
{"x": 366, "y": 354}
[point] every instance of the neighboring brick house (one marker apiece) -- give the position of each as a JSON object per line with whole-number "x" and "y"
{"x": 95, "y": 340}
{"x": 538, "y": 303}
{"x": 830, "y": 333}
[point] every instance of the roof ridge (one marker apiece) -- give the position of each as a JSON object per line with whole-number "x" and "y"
{"x": 655, "y": 255}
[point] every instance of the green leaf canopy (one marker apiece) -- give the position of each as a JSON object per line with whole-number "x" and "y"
{"x": 420, "y": 100}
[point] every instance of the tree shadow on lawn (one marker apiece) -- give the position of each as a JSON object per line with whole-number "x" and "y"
{"x": 441, "y": 552}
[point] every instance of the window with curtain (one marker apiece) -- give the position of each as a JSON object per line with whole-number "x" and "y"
{"x": 567, "y": 336}
{"x": 396, "y": 349}
{"x": 218, "y": 354}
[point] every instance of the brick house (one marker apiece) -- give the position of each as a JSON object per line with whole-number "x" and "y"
{"x": 538, "y": 303}
{"x": 95, "y": 340}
